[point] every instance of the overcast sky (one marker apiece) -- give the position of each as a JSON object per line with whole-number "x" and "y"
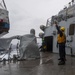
{"x": 27, "y": 14}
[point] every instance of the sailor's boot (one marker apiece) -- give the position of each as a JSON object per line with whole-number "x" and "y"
{"x": 61, "y": 63}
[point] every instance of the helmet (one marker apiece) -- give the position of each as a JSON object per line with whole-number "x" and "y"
{"x": 41, "y": 35}
{"x": 62, "y": 28}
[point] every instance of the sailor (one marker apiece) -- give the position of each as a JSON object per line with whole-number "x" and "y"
{"x": 61, "y": 40}
{"x": 44, "y": 44}
{"x": 43, "y": 47}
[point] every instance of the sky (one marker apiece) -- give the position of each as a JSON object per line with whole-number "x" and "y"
{"x": 27, "y": 14}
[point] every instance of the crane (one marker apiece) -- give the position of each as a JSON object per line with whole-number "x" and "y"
{"x": 4, "y": 19}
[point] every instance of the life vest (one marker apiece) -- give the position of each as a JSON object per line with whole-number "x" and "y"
{"x": 61, "y": 39}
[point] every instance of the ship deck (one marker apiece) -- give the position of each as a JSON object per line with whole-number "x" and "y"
{"x": 46, "y": 65}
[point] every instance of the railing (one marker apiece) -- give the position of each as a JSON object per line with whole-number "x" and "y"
{"x": 48, "y": 23}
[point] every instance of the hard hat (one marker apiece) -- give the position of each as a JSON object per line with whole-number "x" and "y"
{"x": 62, "y": 28}
{"x": 41, "y": 34}
{"x": 55, "y": 22}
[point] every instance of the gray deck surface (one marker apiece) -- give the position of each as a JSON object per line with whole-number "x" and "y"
{"x": 46, "y": 65}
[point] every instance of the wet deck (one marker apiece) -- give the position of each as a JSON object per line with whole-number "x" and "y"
{"x": 46, "y": 65}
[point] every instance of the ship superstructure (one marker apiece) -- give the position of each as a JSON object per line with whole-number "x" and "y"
{"x": 66, "y": 18}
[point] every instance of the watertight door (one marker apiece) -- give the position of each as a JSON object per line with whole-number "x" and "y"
{"x": 49, "y": 43}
